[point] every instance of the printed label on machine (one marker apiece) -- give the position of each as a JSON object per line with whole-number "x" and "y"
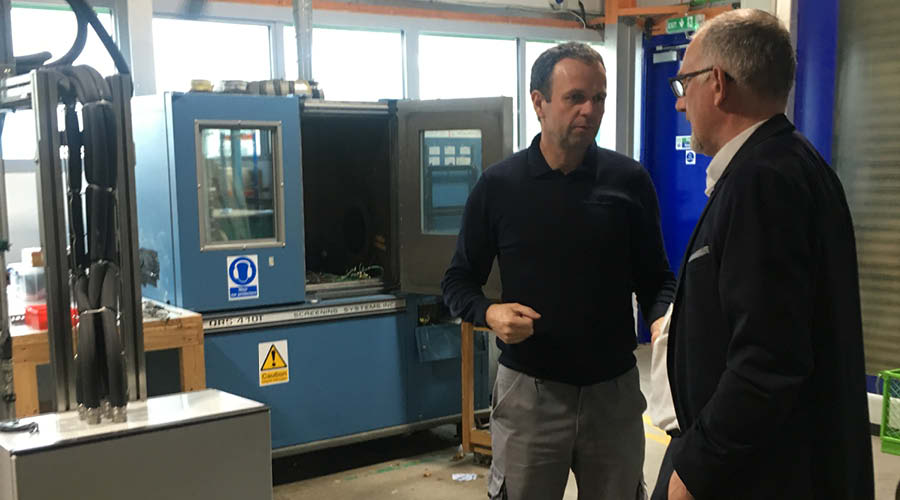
{"x": 243, "y": 277}
{"x": 273, "y": 363}
{"x": 303, "y": 314}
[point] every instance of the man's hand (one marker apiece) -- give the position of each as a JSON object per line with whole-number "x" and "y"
{"x": 656, "y": 329}
{"x": 512, "y": 322}
{"x": 677, "y": 489}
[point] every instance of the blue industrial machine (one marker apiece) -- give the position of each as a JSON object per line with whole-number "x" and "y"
{"x": 312, "y": 235}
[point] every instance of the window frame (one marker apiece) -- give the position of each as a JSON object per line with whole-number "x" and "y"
{"x": 410, "y": 28}
{"x": 277, "y": 184}
{"x": 108, "y": 7}
{"x": 267, "y": 25}
{"x": 403, "y": 93}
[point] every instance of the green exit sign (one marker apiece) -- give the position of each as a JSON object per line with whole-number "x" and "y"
{"x": 684, "y": 24}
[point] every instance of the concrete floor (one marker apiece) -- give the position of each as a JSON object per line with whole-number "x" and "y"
{"x": 421, "y": 466}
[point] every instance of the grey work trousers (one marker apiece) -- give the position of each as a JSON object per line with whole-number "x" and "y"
{"x": 542, "y": 429}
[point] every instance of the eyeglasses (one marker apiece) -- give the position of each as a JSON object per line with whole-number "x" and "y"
{"x": 679, "y": 82}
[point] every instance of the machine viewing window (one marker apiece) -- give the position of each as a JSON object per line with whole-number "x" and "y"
{"x": 239, "y": 173}
{"x": 451, "y": 164}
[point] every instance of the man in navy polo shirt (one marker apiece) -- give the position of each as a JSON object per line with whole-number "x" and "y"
{"x": 575, "y": 229}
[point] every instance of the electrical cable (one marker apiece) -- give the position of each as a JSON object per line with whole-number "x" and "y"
{"x": 78, "y": 46}
{"x": 85, "y": 16}
{"x": 111, "y": 48}
{"x": 24, "y": 64}
{"x": 583, "y": 24}
{"x": 16, "y": 426}
{"x": 78, "y": 255}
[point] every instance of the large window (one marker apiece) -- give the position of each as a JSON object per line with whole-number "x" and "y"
{"x": 460, "y": 67}
{"x": 185, "y": 50}
{"x": 606, "y": 136}
{"x": 351, "y": 65}
{"x": 30, "y": 27}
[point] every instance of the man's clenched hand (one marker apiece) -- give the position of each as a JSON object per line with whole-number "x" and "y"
{"x": 512, "y": 322}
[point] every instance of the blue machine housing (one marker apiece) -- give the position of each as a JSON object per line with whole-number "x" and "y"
{"x": 361, "y": 355}
{"x": 166, "y": 147}
{"x": 349, "y": 376}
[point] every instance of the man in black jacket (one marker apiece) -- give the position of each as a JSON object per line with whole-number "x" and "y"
{"x": 575, "y": 229}
{"x": 765, "y": 354}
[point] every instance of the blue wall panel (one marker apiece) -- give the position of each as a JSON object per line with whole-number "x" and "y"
{"x": 817, "y": 34}
{"x": 679, "y": 186}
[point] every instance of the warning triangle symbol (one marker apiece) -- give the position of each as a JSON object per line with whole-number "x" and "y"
{"x": 273, "y": 360}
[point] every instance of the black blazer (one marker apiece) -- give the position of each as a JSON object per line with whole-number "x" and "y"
{"x": 765, "y": 350}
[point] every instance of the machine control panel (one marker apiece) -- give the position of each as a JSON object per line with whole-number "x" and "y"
{"x": 451, "y": 164}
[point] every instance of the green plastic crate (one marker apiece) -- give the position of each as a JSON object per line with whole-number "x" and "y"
{"x": 890, "y": 413}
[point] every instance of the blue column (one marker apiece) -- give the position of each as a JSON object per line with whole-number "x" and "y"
{"x": 817, "y": 34}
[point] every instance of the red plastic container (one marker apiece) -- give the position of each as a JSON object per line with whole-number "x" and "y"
{"x": 36, "y": 316}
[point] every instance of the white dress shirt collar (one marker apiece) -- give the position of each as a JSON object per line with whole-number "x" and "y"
{"x": 721, "y": 160}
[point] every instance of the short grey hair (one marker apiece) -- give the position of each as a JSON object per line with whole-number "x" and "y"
{"x": 754, "y": 47}
{"x": 542, "y": 71}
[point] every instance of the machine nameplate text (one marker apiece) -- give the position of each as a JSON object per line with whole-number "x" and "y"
{"x": 304, "y": 314}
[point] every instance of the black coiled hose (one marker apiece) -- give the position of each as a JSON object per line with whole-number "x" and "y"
{"x": 93, "y": 252}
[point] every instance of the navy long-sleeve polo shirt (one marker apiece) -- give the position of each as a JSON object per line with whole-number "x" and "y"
{"x": 572, "y": 247}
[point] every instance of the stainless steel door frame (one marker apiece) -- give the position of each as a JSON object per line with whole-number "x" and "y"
{"x": 14, "y": 93}
{"x": 7, "y": 401}
{"x": 7, "y": 66}
{"x": 52, "y": 209}
{"x": 131, "y": 323}
{"x": 424, "y": 257}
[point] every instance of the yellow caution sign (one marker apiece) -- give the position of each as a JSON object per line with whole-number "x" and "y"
{"x": 273, "y": 360}
{"x": 273, "y": 363}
